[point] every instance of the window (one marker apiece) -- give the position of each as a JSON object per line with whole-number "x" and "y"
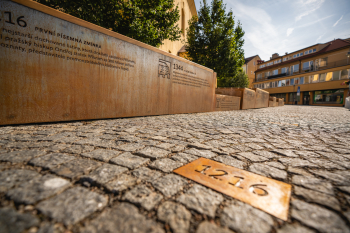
{"x": 259, "y": 76}
{"x": 306, "y": 52}
{"x": 296, "y": 81}
{"x": 301, "y": 80}
{"x": 276, "y": 84}
{"x": 287, "y": 82}
{"x": 283, "y": 83}
{"x": 292, "y": 97}
{"x": 251, "y": 72}
{"x": 322, "y": 77}
{"x": 298, "y": 55}
{"x": 336, "y": 75}
{"x": 254, "y": 63}
{"x": 284, "y": 59}
{"x": 279, "y": 84}
{"x": 267, "y": 85}
{"x": 267, "y": 74}
{"x": 284, "y": 70}
{"x": 307, "y": 79}
{"x": 314, "y": 78}
{"x": 329, "y": 96}
{"x": 308, "y": 65}
{"x": 329, "y": 76}
{"x": 294, "y": 56}
{"x": 323, "y": 61}
{"x": 294, "y": 68}
{"x": 314, "y": 50}
{"x": 301, "y": 54}
{"x": 275, "y": 72}
{"x": 292, "y": 81}
{"x": 272, "y": 84}
{"x": 344, "y": 74}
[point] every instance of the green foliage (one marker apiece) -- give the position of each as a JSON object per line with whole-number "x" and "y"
{"x": 148, "y": 21}
{"x": 240, "y": 80}
{"x": 214, "y": 41}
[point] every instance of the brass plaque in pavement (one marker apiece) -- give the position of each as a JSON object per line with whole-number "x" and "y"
{"x": 266, "y": 194}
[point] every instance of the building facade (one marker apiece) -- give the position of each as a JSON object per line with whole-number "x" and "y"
{"x": 249, "y": 67}
{"x": 309, "y": 76}
{"x": 187, "y": 10}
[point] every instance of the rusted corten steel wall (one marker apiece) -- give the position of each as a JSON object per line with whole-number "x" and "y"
{"x": 272, "y": 102}
{"x": 55, "y": 67}
{"x": 247, "y": 95}
{"x": 227, "y": 103}
{"x": 262, "y": 98}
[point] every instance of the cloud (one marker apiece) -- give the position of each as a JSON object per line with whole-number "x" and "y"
{"x": 338, "y": 21}
{"x": 311, "y": 6}
{"x": 320, "y": 37}
{"x": 289, "y": 31}
{"x": 316, "y": 21}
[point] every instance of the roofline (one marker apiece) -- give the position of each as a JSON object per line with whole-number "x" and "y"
{"x": 192, "y": 6}
{"x": 303, "y": 57}
{"x": 295, "y": 52}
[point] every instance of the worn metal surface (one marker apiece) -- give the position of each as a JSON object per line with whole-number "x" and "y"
{"x": 262, "y": 98}
{"x": 247, "y": 95}
{"x": 280, "y": 102}
{"x": 248, "y": 98}
{"x": 226, "y": 103}
{"x": 55, "y": 67}
{"x": 266, "y": 194}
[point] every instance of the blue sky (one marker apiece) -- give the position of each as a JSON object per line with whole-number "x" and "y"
{"x": 280, "y": 26}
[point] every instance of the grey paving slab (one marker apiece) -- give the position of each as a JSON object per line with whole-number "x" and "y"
{"x": 201, "y": 199}
{"x": 317, "y": 197}
{"x": 294, "y": 228}
{"x": 14, "y": 177}
{"x": 143, "y": 196}
{"x": 268, "y": 171}
{"x": 101, "y": 154}
{"x": 252, "y": 157}
{"x": 230, "y": 161}
{"x": 121, "y": 183}
{"x": 131, "y": 147}
{"x": 153, "y": 152}
{"x": 38, "y": 189}
{"x": 317, "y": 217}
{"x": 169, "y": 184}
{"x": 76, "y": 168}
{"x": 244, "y": 218}
{"x": 146, "y": 174}
{"x": 72, "y": 205}
{"x": 13, "y": 222}
{"x": 165, "y": 165}
{"x": 176, "y": 215}
{"x": 124, "y": 218}
{"x": 103, "y": 174}
{"x": 207, "y": 227}
{"x": 184, "y": 158}
{"x": 313, "y": 183}
{"x": 201, "y": 153}
{"x": 129, "y": 160}
{"x": 51, "y": 161}
{"x": 21, "y": 156}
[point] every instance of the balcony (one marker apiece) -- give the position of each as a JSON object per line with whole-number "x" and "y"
{"x": 329, "y": 65}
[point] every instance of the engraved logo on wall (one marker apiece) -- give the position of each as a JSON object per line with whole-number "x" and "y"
{"x": 218, "y": 102}
{"x": 164, "y": 69}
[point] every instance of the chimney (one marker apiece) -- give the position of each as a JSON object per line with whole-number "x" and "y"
{"x": 275, "y": 55}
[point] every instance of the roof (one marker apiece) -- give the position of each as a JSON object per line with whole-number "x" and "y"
{"x": 248, "y": 59}
{"x": 192, "y": 6}
{"x": 332, "y": 45}
{"x": 182, "y": 50}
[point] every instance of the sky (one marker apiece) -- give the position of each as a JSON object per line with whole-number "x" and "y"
{"x": 280, "y": 26}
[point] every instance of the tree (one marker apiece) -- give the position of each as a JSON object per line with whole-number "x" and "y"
{"x": 150, "y": 22}
{"x": 214, "y": 41}
{"x": 240, "y": 80}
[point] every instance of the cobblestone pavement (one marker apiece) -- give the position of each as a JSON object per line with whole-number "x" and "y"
{"x": 116, "y": 175}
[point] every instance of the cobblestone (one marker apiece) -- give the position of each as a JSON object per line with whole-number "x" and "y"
{"x": 116, "y": 175}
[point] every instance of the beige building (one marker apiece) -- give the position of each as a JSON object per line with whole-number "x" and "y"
{"x": 187, "y": 10}
{"x": 249, "y": 67}
{"x": 317, "y": 71}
